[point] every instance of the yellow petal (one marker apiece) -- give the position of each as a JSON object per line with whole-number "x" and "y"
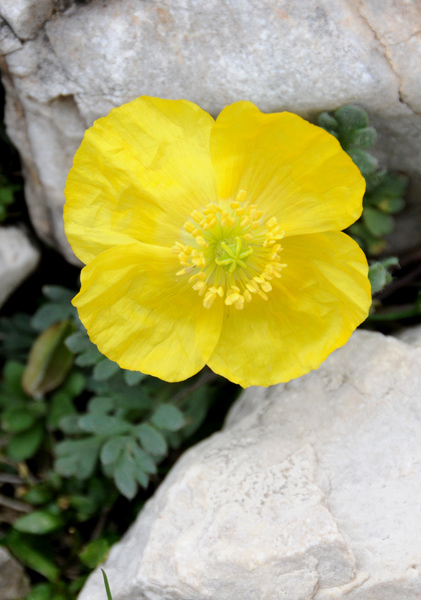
{"x": 293, "y": 170}
{"x": 138, "y": 174}
{"x": 323, "y": 295}
{"x": 144, "y": 317}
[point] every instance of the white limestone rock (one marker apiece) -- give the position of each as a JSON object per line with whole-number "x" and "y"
{"x": 311, "y": 492}
{"x": 13, "y": 582}
{"x": 18, "y": 259}
{"x": 411, "y": 336}
{"x": 8, "y": 41}
{"x": 26, "y": 17}
{"x": 305, "y": 56}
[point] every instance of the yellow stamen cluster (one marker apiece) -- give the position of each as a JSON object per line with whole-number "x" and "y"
{"x": 232, "y": 252}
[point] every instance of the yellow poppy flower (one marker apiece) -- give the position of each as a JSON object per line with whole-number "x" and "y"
{"x": 215, "y": 242}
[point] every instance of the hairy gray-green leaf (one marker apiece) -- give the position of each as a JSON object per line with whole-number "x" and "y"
{"x": 103, "y": 424}
{"x": 366, "y": 163}
{"x": 105, "y": 369}
{"x": 143, "y": 460}
{"x": 125, "y": 475}
{"x": 100, "y": 404}
{"x": 168, "y": 417}
{"x": 70, "y": 425}
{"x": 133, "y": 377}
{"x": 77, "y": 457}
{"x": 151, "y": 439}
{"x": 89, "y": 357}
{"x": 112, "y": 449}
{"x": 78, "y": 342}
{"x": 362, "y": 138}
{"x": 351, "y": 117}
{"x": 379, "y": 275}
{"x": 49, "y": 314}
{"x": 328, "y": 122}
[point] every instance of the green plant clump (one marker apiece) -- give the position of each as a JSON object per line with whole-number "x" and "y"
{"x": 79, "y": 432}
{"x": 385, "y": 190}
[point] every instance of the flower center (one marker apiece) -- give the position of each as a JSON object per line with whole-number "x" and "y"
{"x": 231, "y": 251}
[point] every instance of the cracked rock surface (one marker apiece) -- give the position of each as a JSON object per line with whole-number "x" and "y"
{"x": 311, "y": 492}
{"x": 67, "y": 62}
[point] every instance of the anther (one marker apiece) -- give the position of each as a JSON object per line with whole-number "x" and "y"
{"x": 231, "y": 298}
{"x": 252, "y": 286}
{"x": 197, "y": 216}
{"x": 189, "y": 227}
{"x": 208, "y": 300}
{"x": 200, "y": 287}
{"x": 272, "y": 222}
{"x": 241, "y": 196}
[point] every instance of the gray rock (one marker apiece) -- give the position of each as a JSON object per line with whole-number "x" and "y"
{"x": 311, "y": 492}
{"x": 18, "y": 259}
{"x": 26, "y": 17}
{"x": 8, "y": 41}
{"x": 13, "y": 582}
{"x": 411, "y": 336}
{"x": 305, "y": 56}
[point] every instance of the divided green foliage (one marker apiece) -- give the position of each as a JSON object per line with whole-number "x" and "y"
{"x": 127, "y": 424}
{"x": 384, "y": 191}
{"x": 92, "y": 430}
{"x": 126, "y": 429}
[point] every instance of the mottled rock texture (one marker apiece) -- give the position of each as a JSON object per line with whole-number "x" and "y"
{"x": 311, "y": 492}
{"x": 18, "y": 259}
{"x": 68, "y": 62}
{"x": 13, "y": 582}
